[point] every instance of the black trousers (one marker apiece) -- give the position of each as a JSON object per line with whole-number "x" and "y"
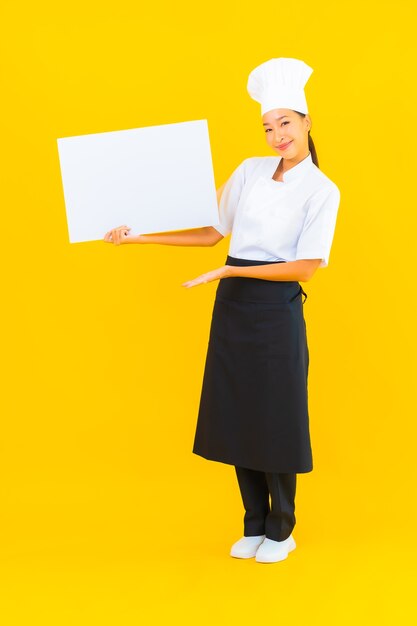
{"x": 276, "y": 520}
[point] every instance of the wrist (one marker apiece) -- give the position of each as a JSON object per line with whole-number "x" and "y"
{"x": 228, "y": 271}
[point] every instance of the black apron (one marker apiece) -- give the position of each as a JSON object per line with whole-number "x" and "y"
{"x": 254, "y": 401}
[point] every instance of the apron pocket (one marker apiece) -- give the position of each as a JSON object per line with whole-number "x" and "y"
{"x": 277, "y": 330}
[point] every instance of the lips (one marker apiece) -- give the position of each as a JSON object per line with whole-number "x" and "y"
{"x": 284, "y": 145}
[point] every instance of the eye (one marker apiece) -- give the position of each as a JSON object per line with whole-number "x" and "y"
{"x": 282, "y": 124}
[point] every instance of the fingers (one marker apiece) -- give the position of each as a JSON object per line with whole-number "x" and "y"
{"x": 201, "y": 280}
{"x": 205, "y": 278}
{"x": 116, "y": 235}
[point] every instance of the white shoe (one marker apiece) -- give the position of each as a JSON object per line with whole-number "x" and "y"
{"x": 246, "y": 547}
{"x": 271, "y": 551}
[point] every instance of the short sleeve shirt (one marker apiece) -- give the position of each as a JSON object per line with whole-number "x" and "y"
{"x": 271, "y": 220}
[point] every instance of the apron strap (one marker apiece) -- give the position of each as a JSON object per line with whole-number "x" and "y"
{"x": 301, "y": 290}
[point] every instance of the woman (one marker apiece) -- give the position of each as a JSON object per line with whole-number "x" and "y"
{"x": 253, "y": 410}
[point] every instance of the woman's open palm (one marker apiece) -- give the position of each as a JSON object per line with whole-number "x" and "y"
{"x": 216, "y": 274}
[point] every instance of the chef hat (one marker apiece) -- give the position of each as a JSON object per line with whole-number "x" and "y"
{"x": 279, "y": 84}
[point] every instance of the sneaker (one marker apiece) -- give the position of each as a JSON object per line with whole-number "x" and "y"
{"x": 246, "y": 547}
{"x": 271, "y": 551}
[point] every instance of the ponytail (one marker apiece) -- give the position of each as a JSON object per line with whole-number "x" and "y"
{"x": 311, "y": 145}
{"x": 312, "y": 149}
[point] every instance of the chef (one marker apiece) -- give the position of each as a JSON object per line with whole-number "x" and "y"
{"x": 281, "y": 213}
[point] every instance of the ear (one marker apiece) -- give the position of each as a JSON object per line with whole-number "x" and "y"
{"x": 308, "y": 120}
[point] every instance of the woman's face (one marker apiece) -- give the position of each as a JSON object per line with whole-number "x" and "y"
{"x": 283, "y": 127}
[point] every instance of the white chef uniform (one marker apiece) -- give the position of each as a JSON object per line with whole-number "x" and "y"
{"x": 279, "y": 221}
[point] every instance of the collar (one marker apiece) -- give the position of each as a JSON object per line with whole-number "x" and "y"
{"x": 298, "y": 170}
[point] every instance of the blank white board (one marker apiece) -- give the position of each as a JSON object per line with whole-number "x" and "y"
{"x": 153, "y": 179}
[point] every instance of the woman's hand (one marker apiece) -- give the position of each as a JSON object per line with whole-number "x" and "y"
{"x": 221, "y": 272}
{"x": 118, "y": 235}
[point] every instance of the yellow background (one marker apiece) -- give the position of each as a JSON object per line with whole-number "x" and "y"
{"x": 107, "y": 516}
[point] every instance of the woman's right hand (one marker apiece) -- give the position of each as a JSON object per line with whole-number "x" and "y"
{"x": 118, "y": 235}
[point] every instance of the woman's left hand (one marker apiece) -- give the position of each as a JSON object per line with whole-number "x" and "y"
{"x": 221, "y": 272}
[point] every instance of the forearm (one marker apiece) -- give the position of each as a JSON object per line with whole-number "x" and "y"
{"x": 292, "y": 270}
{"x": 189, "y": 237}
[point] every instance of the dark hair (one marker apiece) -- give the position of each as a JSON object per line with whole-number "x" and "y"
{"x": 311, "y": 146}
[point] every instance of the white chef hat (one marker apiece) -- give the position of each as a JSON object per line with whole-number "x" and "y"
{"x": 279, "y": 84}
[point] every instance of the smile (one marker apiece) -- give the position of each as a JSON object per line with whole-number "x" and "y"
{"x": 284, "y": 146}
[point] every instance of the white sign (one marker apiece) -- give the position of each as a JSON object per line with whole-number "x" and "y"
{"x": 153, "y": 179}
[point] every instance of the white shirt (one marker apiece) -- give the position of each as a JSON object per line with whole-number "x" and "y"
{"x": 279, "y": 221}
